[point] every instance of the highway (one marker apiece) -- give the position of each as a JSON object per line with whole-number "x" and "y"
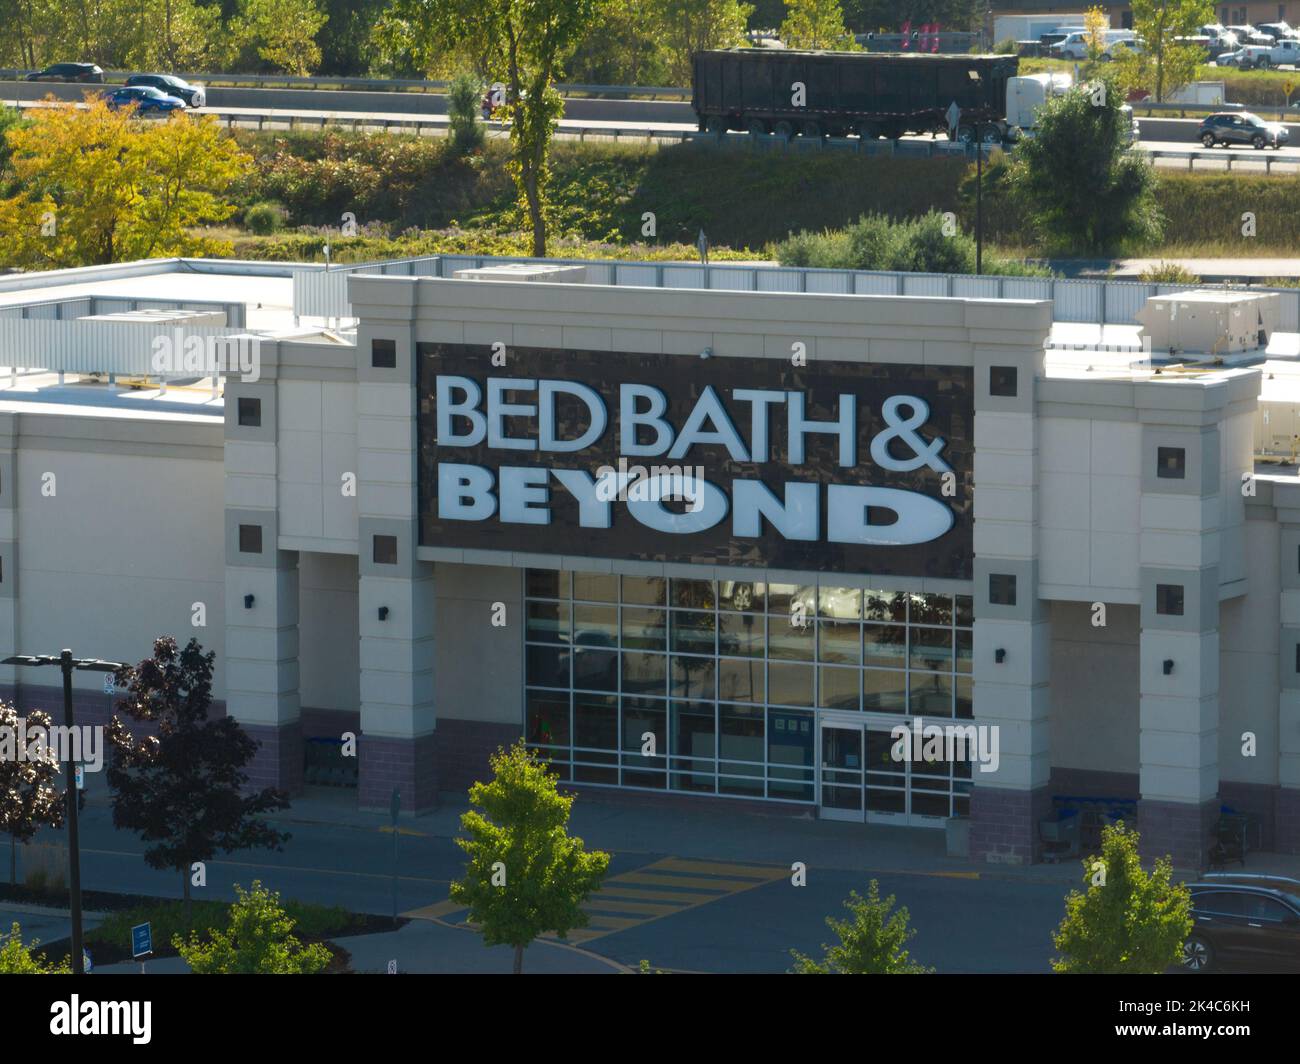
{"x": 669, "y": 120}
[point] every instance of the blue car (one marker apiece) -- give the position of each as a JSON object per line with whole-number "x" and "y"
{"x": 144, "y": 99}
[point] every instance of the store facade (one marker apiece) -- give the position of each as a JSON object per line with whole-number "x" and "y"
{"x": 867, "y": 557}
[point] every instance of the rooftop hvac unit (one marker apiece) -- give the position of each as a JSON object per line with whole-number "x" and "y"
{"x": 526, "y": 271}
{"x": 1208, "y": 322}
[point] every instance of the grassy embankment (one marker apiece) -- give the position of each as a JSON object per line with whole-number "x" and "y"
{"x": 411, "y": 196}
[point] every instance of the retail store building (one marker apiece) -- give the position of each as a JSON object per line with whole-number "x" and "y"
{"x": 908, "y": 506}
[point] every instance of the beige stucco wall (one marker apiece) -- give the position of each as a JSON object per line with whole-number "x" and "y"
{"x": 118, "y": 555}
{"x": 1094, "y": 688}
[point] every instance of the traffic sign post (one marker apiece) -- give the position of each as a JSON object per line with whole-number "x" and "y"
{"x": 141, "y": 943}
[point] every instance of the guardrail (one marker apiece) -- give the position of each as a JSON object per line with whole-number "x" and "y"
{"x": 291, "y": 81}
{"x": 1073, "y": 300}
{"x": 903, "y": 149}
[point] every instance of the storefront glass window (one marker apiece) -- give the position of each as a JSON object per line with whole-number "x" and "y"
{"x": 729, "y": 679}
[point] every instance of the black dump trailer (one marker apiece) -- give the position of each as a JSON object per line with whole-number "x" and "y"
{"x": 818, "y": 94}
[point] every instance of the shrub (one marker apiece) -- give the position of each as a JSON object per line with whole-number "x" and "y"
{"x": 264, "y": 218}
{"x": 929, "y": 244}
{"x": 1168, "y": 273}
{"x": 258, "y": 941}
{"x": 466, "y": 132}
{"x": 872, "y": 941}
{"x": 17, "y": 959}
{"x": 1006, "y": 47}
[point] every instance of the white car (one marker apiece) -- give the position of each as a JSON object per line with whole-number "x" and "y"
{"x": 1075, "y": 45}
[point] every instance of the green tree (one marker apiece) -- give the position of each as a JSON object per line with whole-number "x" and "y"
{"x": 28, "y": 798}
{"x": 872, "y": 941}
{"x": 623, "y": 47}
{"x": 1165, "y": 64}
{"x": 258, "y": 941}
{"x": 867, "y": 16}
{"x": 1127, "y": 921}
{"x": 816, "y": 24}
{"x": 283, "y": 32}
{"x": 463, "y": 97}
{"x": 526, "y": 874}
{"x": 1083, "y": 191}
{"x": 690, "y": 26}
{"x": 184, "y": 790}
{"x": 524, "y": 43}
{"x": 98, "y": 186}
{"x": 17, "y": 959}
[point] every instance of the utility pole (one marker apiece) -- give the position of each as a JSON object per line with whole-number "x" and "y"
{"x": 67, "y": 663}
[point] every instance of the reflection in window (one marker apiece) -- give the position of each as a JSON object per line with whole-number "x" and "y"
{"x": 694, "y": 747}
{"x": 729, "y": 679}
{"x": 741, "y": 749}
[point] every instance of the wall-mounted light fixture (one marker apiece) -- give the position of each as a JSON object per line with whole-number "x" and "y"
{"x": 383, "y": 613}
{"x": 999, "y": 655}
{"x": 248, "y": 602}
{"x": 1169, "y": 666}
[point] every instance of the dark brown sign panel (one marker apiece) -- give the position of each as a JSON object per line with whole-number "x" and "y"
{"x": 833, "y": 467}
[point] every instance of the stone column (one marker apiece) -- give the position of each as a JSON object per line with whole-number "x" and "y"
{"x": 396, "y": 599}
{"x": 1286, "y": 810}
{"x": 1012, "y": 638}
{"x": 261, "y": 607}
{"x": 1179, "y": 653}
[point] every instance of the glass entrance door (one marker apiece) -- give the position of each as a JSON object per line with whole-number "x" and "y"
{"x": 841, "y": 775}
{"x": 887, "y": 780}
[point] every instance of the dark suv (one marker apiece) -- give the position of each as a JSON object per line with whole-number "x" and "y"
{"x": 69, "y": 72}
{"x": 1241, "y": 127}
{"x": 1244, "y": 921}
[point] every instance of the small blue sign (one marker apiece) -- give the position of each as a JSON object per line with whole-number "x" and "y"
{"x": 87, "y": 964}
{"x": 141, "y": 940}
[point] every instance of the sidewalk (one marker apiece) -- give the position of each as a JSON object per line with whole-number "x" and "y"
{"x": 425, "y": 947}
{"x": 632, "y": 825}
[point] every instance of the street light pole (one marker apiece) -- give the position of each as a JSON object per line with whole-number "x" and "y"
{"x": 67, "y": 663}
{"x": 74, "y": 839}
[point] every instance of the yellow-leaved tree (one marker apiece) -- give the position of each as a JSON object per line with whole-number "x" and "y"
{"x": 96, "y": 186}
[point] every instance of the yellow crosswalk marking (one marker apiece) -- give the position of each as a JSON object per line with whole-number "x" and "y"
{"x": 723, "y": 868}
{"x": 719, "y": 886}
{"x": 685, "y": 897}
{"x": 436, "y": 911}
{"x": 652, "y": 892}
{"x": 645, "y": 908}
{"x": 612, "y": 923}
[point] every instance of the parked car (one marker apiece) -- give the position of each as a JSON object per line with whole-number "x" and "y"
{"x": 88, "y": 72}
{"x": 1239, "y": 924}
{"x": 193, "y": 95}
{"x": 1075, "y": 45}
{"x": 1239, "y": 58}
{"x": 144, "y": 99}
{"x": 1263, "y": 56}
{"x": 1241, "y": 127}
{"x": 1277, "y": 30}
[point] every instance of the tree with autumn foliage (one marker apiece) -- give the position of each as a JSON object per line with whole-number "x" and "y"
{"x": 184, "y": 789}
{"x": 29, "y": 799}
{"x": 97, "y": 186}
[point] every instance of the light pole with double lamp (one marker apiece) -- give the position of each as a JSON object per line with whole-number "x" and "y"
{"x": 68, "y": 663}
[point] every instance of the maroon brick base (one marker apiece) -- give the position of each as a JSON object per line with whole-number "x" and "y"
{"x": 279, "y": 758}
{"x": 1180, "y": 830}
{"x": 410, "y": 765}
{"x": 1004, "y": 824}
{"x": 464, "y": 747}
{"x": 1286, "y": 820}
